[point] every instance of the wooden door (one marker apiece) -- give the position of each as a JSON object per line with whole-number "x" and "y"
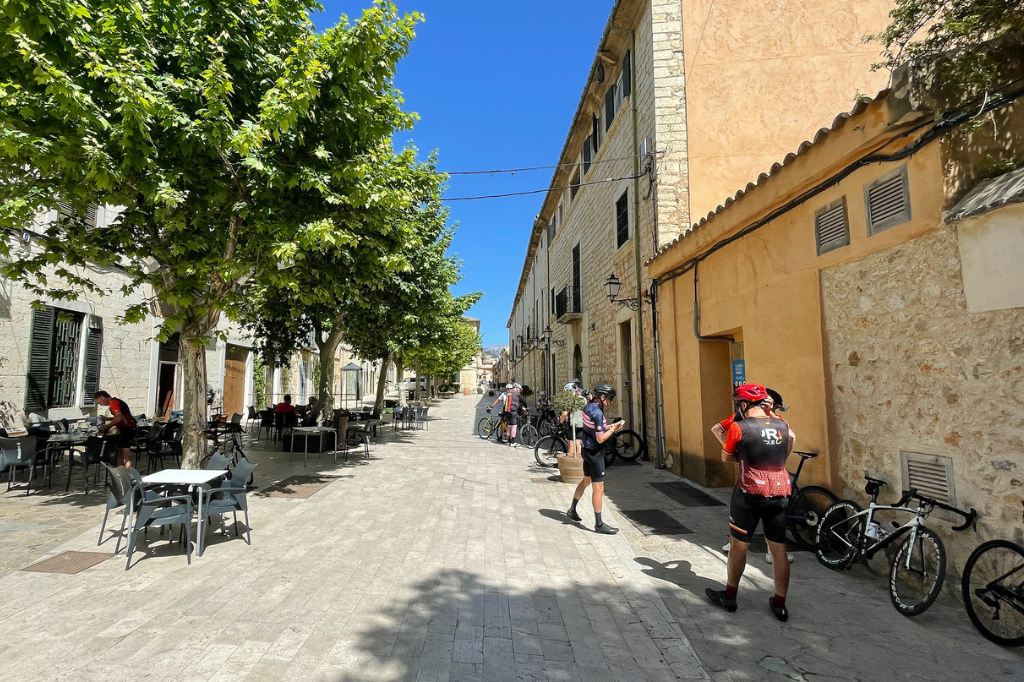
{"x": 234, "y": 380}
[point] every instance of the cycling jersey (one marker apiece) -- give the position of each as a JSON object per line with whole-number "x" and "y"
{"x": 593, "y": 424}
{"x": 761, "y": 446}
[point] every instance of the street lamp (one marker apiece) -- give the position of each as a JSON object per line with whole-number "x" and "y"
{"x": 548, "y": 340}
{"x": 613, "y": 284}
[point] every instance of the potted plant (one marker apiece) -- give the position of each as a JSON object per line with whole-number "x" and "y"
{"x": 570, "y": 466}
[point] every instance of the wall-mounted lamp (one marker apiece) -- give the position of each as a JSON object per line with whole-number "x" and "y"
{"x": 549, "y": 341}
{"x": 613, "y": 285}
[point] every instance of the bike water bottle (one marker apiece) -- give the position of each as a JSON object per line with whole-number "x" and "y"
{"x": 874, "y": 531}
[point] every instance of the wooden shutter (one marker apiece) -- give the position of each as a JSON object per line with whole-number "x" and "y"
{"x": 587, "y": 154}
{"x": 37, "y": 389}
{"x": 887, "y": 200}
{"x": 609, "y": 107}
{"x": 831, "y": 226}
{"x": 93, "y": 359}
{"x": 627, "y": 76}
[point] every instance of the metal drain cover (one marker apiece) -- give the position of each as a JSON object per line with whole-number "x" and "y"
{"x": 68, "y": 563}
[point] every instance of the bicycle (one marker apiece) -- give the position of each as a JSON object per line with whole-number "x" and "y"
{"x": 547, "y": 420}
{"x": 491, "y": 425}
{"x": 993, "y": 591}
{"x": 807, "y": 504}
{"x": 234, "y": 452}
{"x": 627, "y": 445}
{"x": 848, "y": 533}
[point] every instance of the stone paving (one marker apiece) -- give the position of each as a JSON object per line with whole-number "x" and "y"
{"x": 446, "y": 558}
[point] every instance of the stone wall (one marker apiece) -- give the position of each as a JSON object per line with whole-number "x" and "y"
{"x": 912, "y": 370}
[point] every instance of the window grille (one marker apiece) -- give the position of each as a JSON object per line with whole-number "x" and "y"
{"x": 831, "y": 226}
{"x": 887, "y": 201}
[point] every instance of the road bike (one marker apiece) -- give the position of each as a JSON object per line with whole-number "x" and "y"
{"x": 848, "y": 533}
{"x": 547, "y": 420}
{"x": 807, "y": 504}
{"x": 993, "y": 591}
{"x": 625, "y": 444}
{"x": 497, "y": 426}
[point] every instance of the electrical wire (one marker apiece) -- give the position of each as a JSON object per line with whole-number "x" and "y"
{"x": 542, "y": 191}
{"x": 497, "y": 171}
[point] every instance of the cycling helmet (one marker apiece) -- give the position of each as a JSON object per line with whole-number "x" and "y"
{"x": 604, "y": 389}
{"x": 751, "y": 393}
{"x": 777, "y": 399}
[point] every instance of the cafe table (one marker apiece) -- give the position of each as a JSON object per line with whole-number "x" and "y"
{"x": 306, "y": 432}
{"x": 56, "y": 444}
{"x": 190, "y": 478}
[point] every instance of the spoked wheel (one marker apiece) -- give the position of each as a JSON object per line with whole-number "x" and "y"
{"x": 547, "y": 427}
{"x": 839, "y": 534}
{"x": 993, "y": 591}
{"x": 485, "y": 428}
{"x": 805, "y": 512}
{"x": 548, "y": 450}
{"x": 528, "y": 435}
{"x": 629, "y": 445}
{"x": 917, "y": 572}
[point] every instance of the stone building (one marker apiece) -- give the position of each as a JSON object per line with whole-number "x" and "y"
{"x": 873, "y": 279}
{"x": 659, "y": 135}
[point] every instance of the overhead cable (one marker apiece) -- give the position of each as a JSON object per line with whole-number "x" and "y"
{"x": 542, "y": 191}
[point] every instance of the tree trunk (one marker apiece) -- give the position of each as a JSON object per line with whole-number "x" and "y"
{"x": 382, "y": 384}
{"x": 328, "y": 348}
{"x": 268, "y": 389}
{"x": 416, "y": 383}
{"x": 399, "y": 371}
{"x": 192, "y": 355}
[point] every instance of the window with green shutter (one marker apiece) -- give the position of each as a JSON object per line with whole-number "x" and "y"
{"x": 67, "y": 338}
{"x": 54, "y": 349}
{"x": 37, "y": 391}
{"x": 93, "y": 358}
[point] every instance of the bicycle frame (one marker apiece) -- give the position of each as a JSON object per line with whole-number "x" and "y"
{"x": 920, "y": 514}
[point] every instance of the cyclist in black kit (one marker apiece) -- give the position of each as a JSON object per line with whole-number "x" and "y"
{"x": 760, "y": 444}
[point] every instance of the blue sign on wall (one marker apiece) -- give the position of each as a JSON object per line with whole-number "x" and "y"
{"x": 739, "y": 372}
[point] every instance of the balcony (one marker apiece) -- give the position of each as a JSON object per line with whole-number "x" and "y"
{"x": 568, "y": 305}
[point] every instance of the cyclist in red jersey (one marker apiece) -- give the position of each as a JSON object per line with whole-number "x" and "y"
{"x": 760, "y": 444}
{"x": 123, "y": 421}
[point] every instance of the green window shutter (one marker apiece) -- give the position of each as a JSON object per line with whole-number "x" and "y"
{"x": 37, "y": 389}
{"x": 609, "y": 107}
{"x": 93, "y": 358}
{"x": 627, "y": 75}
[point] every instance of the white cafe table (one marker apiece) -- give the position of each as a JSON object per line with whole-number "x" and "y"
{"x": 186, "y": 477}
{"x": 306, "y": 432}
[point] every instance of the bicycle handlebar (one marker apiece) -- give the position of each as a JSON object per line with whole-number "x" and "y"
{"x": 970, "y": 517}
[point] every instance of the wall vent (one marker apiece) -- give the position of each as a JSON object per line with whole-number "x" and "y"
{"x": 932, "y": 475}
{"x": 831, "y": 226}
{"x": 887, "y": 201}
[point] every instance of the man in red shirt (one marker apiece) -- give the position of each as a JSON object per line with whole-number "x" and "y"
{"x": 125, "y": 423}
{"x": 760, "y": 443}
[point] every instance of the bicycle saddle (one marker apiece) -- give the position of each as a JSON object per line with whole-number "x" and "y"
{"x": 805, "y": 455}
{"x": 876, "y": 481}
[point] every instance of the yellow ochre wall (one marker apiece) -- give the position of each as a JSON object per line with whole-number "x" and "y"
{"x": 765, "y": 290}
{"x": 763, "y": 74}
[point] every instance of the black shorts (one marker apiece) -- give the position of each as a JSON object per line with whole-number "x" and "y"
{"x": 125, "y": 437}
{"x": 593, "y": 465}
{"x": 511, "y": 418}
{"x": 746, "y": 511}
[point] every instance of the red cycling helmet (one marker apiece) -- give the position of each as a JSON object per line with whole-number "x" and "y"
{"x": 751, "y": 393}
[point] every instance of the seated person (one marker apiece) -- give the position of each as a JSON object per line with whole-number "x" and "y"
{"x": 312, "y": 412}
{"x": 284, "y": 412}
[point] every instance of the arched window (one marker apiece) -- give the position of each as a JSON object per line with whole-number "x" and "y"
{"x": 577, "y": 364}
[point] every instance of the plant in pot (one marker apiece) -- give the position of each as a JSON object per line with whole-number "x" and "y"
{"x": 570, "y": 465}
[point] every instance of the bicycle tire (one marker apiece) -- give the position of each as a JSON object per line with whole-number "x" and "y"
{"x": 805, "y": 511}
{"x": 547, "y": 426}
{"x": 629, "y": 445}
{"x": 528, "y": 435}
{"x": 902, "y": 577}
{"x": 485, "y": 428}
{"x": 983, "y": 605}
{"x": 839, "y": 535}
{"x": 548, "y": 449}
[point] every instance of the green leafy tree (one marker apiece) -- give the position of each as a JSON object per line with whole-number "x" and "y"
{"x": 951, "y": 31}
{"x": 205, "y": 120}
{"x": 445, "y": 347}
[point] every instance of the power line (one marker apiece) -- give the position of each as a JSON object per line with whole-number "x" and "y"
{"x": 496, "y": 171}
{"x": 543, "y": 191}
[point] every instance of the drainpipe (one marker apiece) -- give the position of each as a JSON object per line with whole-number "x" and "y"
{"x": 659, "y": 407}
{"x": 636, "y": 237}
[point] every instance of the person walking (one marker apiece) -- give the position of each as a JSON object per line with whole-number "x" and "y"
{"x": 596, "y": 431}
{"x": 125, "y": 423}
{"x": 760, "y": 444}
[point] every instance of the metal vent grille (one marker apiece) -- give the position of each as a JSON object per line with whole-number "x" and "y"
{"x": 887, "y": 201}
{"x": 831, "y": 226}
{"x": 932, "y": 475}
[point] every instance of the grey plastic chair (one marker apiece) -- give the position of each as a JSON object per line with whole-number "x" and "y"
{"x": 97, "y": 450}
{"x": 20, "y": 453}
{"x": 149, "y": 510}
{"x": 228, "y": 498}
{"x": 218, "y": 462}
{"x": 119, "y": 485}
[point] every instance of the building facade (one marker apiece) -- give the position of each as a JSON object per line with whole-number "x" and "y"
{"x": 644, "y": 152}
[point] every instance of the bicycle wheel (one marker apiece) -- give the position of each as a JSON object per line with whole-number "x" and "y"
{"x": 805, "y": 511}
{"x": 548, "y": 450}
{"x": 547, "y": 427}
{"x": 917, "y": 572}
{"x": 528, "y": 435}
{"x": 993, "y": 591}
{"x": 839, "y": 534}
{"x": 485, "y": 427}
{"x": 629, "y": 445}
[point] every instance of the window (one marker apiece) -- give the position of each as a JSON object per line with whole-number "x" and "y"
{"x": 618, "y": 91}
{"x": 887, "y": 201}
{"x": 587, "y": 155}
{"x": 577, "y": 364}
{"x": 577, "y": 278}
{"x": 574, "y": 184}
{"x": 610, "y": 107}
{"x": 552, "y": 228}
{"x": 66, "y": 213}
{"x": 626, "y": 77}
{"x": 595, "y": 134}
{"x": 54, "y": 354}
{"x": 831, "y": 226}
{"x": 622, "y": 219}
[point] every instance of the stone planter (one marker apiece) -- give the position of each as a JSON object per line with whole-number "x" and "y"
{"x": 570, "y": 469}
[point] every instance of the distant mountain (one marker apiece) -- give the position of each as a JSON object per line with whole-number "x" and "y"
{"x": 495, "y": 350}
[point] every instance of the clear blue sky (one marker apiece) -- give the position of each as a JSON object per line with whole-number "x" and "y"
{"x": 495, "y": 85}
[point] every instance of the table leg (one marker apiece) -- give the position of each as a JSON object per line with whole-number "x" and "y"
{"x": 200, "y": 525}
{"x": 305, "y": 451}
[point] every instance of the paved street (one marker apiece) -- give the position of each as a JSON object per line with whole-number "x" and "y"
{"x": 442, "y": 557}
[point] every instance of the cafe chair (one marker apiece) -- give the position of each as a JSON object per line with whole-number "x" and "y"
{"x": 149, "y": 509}
{"x": 252, "y": 418}
{"x": 119, "y": 487}
{"x": 20, "y": 453}
{"x": 97, "y": 449}
{"x": 228, "y": 498}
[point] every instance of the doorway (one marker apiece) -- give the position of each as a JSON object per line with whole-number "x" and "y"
{"x": 626, "y": 349}
{"x": 168, "y": 390}
{"x": 234, "y": 379}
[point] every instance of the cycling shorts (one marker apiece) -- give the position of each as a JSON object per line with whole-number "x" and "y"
{"x": 593, "y": 465}
{"x": 511, "y": 418}
{"x": 746, "y": 511}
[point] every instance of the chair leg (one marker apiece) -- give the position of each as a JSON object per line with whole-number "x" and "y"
{"x": 248, "y": 529}
{"x": 188, "y": 542}
{"x": 120, "y": 532}
{"x": 102, "y": 526}
{"x": 130, "y": 549}
{"x": 235, "y": 515}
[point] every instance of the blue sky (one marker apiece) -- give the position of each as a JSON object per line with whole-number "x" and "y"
{"x": 495, "y": 85}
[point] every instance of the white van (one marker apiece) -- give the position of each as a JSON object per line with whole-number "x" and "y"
{"x": 409, "y": 386}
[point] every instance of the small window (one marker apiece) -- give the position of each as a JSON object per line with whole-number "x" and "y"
{"x": 626, "y": 77}
{"x": 587, "y": 154}
{"x": 595, "y": 135}
{"x": 574, "y": 184}
{"x": 552, "y": 227}
{"x": 622, "y": 219}
{"x": 609, "y": 106}
{"x": 66, "y": 213}
{"x": 831, "y": 226}
{"x": 887, "y": 201}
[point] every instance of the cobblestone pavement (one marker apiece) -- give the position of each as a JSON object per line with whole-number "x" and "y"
{"x": 442, "y": 557}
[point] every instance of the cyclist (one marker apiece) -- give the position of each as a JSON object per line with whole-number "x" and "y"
{"x": 761, "y": 444}
{"x": 596, "y": 431}
{"x": 503, "y": 400}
